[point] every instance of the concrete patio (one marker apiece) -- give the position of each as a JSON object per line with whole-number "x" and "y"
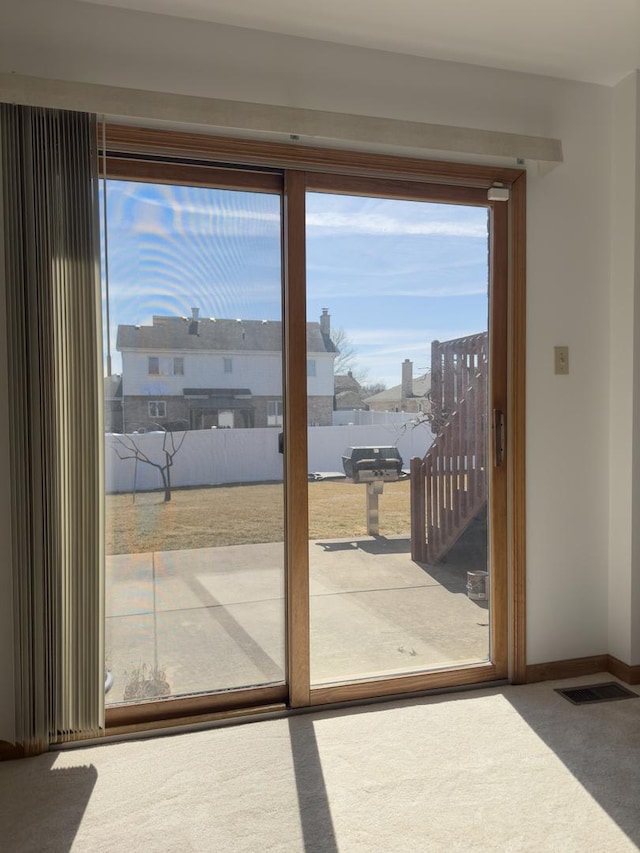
{"x": 213, "y": 618}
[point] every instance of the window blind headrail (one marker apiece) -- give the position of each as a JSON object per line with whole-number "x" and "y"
{"x": 310, "y": 125}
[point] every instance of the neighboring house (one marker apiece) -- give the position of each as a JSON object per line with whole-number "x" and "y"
{"x": 204, "y": 372}
{"x": 348, "y": 392}
{"x": 412, "y": 395}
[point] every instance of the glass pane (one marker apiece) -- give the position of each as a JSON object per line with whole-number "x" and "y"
{"x": 193, "y": 391}
{"x": 398, "y": 316}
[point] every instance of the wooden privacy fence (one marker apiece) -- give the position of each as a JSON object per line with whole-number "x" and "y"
{"x": 449, "y": 484}
{"x": 454, "y": 365}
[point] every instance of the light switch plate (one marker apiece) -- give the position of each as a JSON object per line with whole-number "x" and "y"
{"x": 561, "y": 360}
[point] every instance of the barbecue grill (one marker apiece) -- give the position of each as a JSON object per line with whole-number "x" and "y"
{"x": 373, "y": 466}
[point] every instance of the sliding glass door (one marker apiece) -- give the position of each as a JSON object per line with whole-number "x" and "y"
{"x": 305, "y": 402}
{"x": 407, "y": 284}
{"x": 193, "y": 399}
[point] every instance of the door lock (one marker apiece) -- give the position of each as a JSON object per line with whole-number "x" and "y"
{"x": 498, "y": 437}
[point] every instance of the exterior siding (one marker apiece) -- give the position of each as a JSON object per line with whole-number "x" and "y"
{"x": 261, "y": 372}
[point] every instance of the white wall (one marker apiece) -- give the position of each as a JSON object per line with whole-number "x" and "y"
{"x": 567, "y": 425}
{"x": 624, "y": 393}
{"x": 568, "y": 238}
{"x": 621, "y": 389}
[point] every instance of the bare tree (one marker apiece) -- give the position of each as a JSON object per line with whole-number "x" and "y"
{"x": 371, "y": 388}
{"x": 170, "y": 447}
{"x": 346, "y": 360}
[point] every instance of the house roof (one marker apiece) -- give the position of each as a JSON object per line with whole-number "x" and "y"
{"x": 178, "y": 334}
{"x": 421, "y": 387}
{"x": 349, "y": 400}
{"x": 348, "y": 392}
{"x": 345, "y": 382}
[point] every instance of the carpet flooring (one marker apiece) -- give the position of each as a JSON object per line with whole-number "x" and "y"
{"x": 500, "y": 769}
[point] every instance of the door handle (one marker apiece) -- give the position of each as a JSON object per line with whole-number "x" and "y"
{"x": 498, "y": 438}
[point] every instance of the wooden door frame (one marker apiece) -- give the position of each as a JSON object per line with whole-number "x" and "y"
{"x": 498, "y": 399}
{"x": 307, "y": 167}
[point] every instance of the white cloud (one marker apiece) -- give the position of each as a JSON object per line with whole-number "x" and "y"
{"x": 379, "y": 224}
{"x": 342, "y": 289}
{"x": 379, "y": 336}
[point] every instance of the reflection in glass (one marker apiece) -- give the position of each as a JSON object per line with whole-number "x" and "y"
{"x": 194, "y": 494}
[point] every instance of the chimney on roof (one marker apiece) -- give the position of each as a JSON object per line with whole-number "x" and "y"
{"x": 193, "y": 324}
{"x": 325, "y": 323}
{"x": 407, "y": 378}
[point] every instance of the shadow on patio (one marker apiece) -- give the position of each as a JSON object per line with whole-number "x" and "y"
{"x": 213, "y": 618}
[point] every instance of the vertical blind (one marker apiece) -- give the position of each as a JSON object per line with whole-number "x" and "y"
{"x": 49, "y": 179}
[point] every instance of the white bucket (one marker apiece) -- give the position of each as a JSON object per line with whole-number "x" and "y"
{"x": 477, "y": 585}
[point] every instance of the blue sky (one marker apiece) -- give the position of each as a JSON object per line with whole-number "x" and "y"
{"x": 394, "y": 274}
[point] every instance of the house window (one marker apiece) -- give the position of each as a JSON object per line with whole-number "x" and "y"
{"x": 274, "y": 412}
{"x": 228, "y": 365}
{"x": 154, "y": 365}
{"x": 178, "y": 366}
{"x": 311, "y": 367}
{"x": 157, "y": 409}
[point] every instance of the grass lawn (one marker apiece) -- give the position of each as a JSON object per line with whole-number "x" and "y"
{"x": 235, "y": 515}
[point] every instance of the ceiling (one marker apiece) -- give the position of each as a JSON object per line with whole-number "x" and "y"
{"x": 596, "y": 41}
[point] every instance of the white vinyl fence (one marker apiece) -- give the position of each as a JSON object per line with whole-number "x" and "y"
{"x": 359, "y": 417}
{"x": 216, "y": 456}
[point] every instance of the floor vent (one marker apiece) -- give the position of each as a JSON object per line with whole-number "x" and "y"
{"x": 587, "y": 695}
